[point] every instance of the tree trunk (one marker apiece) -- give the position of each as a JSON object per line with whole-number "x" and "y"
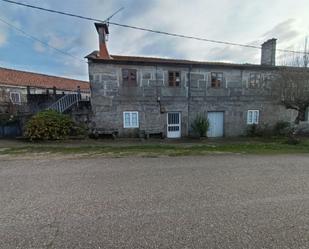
{"x": 301, "y": 115}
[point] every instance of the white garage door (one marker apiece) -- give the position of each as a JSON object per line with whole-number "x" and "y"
{"x": 215, "y": 124}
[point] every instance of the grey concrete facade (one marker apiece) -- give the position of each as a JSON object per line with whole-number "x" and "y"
{"x": 153, "y": 98}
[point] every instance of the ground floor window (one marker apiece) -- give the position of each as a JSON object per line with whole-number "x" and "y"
{"x": 130, "y": 120}
{"x": 253, "y": 117}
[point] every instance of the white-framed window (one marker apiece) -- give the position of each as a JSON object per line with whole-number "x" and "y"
{"x": 253, "y": 117}
{"x": 15, "y": 97}
{"x": 174, "y": 78}
{"x": 216, "y": 80}
{"x": 130, "y": 120}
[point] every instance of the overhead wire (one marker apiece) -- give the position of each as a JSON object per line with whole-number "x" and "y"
{"x": 40, "y": 41}
{"x": 147, "y": 29}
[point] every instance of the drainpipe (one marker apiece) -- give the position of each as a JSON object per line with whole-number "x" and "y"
{"x": 189, "y": 97}
{"x": 157, "y": 90}
{"x": 158, "y": 96}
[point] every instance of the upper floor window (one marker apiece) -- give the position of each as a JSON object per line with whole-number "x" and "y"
{"x": 173, "y": 78}
{"x": 254, "y": 80}
{"x": 253, "y": 117}
{"x": 216, "y": 80}
{"x": 15, "y": 97}
{"x": 129, "y": 77}
{"x": 266, "y": 80}
{"x": 96, "y": 78}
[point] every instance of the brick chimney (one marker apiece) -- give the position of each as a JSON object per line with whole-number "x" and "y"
{"x": 103, "y": 32}
{"x": 269, "y": 52}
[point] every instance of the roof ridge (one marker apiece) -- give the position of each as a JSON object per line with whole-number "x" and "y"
{"x": 184, "y": 60}
{"x": 42, "y": 74}
{"x": 92, "y": 56}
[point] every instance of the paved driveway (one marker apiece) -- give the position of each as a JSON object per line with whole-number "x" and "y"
{"x": 225, "y": 201}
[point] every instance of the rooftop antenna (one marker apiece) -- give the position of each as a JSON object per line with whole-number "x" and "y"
{"x": 112, "y": 15}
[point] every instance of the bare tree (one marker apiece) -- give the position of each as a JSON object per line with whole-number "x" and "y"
{"x": 292, "y": 82}
{"x": 297, "y": 59}
{"x": 292, "y": 88}
{"x": 306, "y": 55}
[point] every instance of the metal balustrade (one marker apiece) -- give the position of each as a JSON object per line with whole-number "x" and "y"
{"x": 65, "y": 102}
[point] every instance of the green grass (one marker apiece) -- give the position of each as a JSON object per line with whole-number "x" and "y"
{"x": 154, "y": 150}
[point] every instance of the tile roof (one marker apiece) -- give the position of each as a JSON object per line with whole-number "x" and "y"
{"x": 157, "y": 60}
{"x": 24, "y": 79}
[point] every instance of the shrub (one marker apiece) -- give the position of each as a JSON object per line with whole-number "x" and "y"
{"x": 78, "y": 130}
{"x": 200, "y": 126}
{"x": 282, "y": 128}
{"x": 50, "y": 125}
{"x": 252, "y": 130}
{"x": 292, "y": 140}
{"x": 263, "y": 130}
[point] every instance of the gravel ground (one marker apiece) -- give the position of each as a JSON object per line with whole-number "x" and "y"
{"x": 224, "y": 201}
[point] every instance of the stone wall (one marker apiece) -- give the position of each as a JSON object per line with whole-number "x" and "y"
{"x": 39, "y": 102}
{"x": 5, "y": 104}
{"x": 153, "y": 98}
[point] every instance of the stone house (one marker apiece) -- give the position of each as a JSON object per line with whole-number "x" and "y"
{"x": 136, "y": 95}
{"x": 23, "y": 94}
{"x": 26, "y": 91}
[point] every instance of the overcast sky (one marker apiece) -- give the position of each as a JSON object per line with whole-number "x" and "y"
{"x": 239, "y": 21}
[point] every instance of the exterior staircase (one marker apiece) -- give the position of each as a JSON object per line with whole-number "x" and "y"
{"x": 65, "y": 102}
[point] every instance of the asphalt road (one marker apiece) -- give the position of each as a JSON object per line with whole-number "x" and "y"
{"x": 224, "y": 201}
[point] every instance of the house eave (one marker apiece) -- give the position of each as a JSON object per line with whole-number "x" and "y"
{"x": 176, "y": 63}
